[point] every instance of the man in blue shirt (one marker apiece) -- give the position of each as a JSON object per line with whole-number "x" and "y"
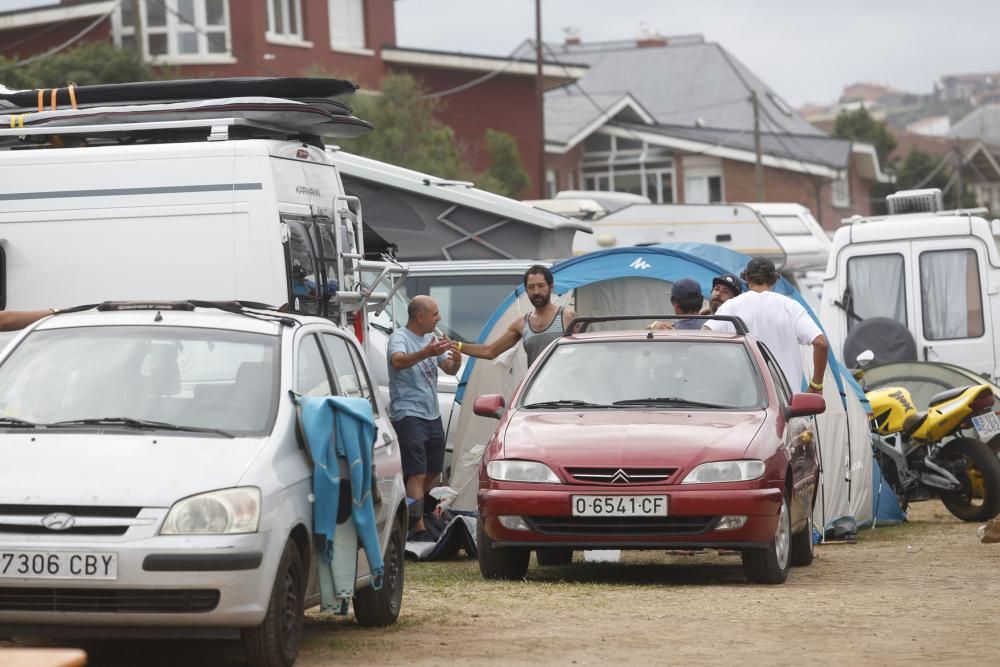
{"x": 415, "y": 355}
{"x": 686, "y": 298}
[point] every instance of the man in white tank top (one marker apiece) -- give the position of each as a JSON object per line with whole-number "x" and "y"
{"x": 536, "y": 329}
{"x": 779, "y": 322}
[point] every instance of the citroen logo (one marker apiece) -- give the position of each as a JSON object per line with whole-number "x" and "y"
{"x": 620, "y": 477}
{"x": 58, "y": 521}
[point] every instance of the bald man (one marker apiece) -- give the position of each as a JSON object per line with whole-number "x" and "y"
{"x": 415, "y": 356}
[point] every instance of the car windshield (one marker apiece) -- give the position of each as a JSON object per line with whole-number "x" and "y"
{"x": 210, "y": 380}
{"x": 653, "y": 373}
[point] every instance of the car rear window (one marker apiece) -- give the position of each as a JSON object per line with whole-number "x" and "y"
{"x": 709, "y": 375}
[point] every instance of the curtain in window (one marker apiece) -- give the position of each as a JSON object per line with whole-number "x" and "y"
{"x": 877, "y": 287}
{"x": 945, "y": 297}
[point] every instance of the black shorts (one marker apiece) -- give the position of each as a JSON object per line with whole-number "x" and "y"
{"x": 421, "y": 445}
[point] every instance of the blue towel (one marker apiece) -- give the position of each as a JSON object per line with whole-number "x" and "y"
{"x": 346, "y": 423}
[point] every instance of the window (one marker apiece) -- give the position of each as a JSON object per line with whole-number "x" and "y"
{"x": 466, "y": 302}
{"x": 787, "y": 225}
{"x": 352, "y": 380}
{"x": 310, "y": 372}
{"x": 284, "y": 20}
{"x": 840, "y": 191}
{"x": 702, "y": 188}
{"x": 951, "y": 297}
{"x": 615, "y": 164}
{"x": 551, "y": 185}
{"x": 176, "y": 29}
{"x": 347, "y": 24}
{"x": 777, "y": 376}
{"x": 303, "y": 270}
{"x": 889, "y": 300}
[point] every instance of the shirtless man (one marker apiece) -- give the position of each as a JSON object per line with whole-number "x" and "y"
{"x": 535, "y": 330}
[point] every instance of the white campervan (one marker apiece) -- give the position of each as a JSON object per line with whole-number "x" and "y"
{"x": 935, "y": 273}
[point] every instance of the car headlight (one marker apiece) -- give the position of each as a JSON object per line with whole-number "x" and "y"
{"x": 725, "y": 471}
{"x": 520, "y": 471}
{"x": 227, "y": 511}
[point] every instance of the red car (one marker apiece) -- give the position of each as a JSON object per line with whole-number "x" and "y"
{"x": 667, "y": 439}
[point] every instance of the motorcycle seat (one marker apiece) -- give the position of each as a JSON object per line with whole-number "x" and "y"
{"x": 913, "y": 422}
{"x": 947, "y": 395}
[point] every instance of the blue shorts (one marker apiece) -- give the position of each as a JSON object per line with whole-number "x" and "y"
{"x": 421, "y": 445}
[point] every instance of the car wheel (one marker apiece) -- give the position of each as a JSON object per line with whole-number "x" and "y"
{"x": 379, "y": 609}
{"x": 275, "y": 642}
{"x": 803, "y": 548}
{"x": 554, "y": 556}
{"x": 770, "y": 564}
{"x": 507, "y": 563}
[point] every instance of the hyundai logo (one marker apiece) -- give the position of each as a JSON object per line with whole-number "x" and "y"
{"x": 58, "y": 521}
{"x": 620, "y": 477}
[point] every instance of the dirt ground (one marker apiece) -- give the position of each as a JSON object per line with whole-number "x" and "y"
{"x": 925, "y": 591}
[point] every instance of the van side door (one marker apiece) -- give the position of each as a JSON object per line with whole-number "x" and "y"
{"x": 352, "y": 380}
{"x": 952, "y": 320}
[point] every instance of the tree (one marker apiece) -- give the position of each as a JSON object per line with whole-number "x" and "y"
{"x": 407, "y": 134}
{"x": 92, "y": 63}
{"x": 923, "y": 170}
{"x": 860, "y": 126}
{"x": 505, "y": 175}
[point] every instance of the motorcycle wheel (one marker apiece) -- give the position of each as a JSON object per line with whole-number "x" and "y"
{"x": 979, "y": 497}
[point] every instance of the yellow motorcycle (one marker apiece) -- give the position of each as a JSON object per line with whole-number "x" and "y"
{"x": 925, "y": 454}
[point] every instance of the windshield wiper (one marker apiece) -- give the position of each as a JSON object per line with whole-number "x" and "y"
{"x": 14, "y": 421}
{"x": 672, "y": 400}
{"x": 142, "y": 424}
{"x": 566, "y": 403}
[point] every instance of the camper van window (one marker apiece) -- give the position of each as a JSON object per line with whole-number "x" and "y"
{"x": 877, "y": 288}
{"x": 466, "y": 302}
{"x": 787, "y": 225}
{"x": 951, "y": 294}
{"x": 304, "y": 284}
{"x": 329, "y": 250}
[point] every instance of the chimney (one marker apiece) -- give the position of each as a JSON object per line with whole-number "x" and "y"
{"x": 572, "y": 36}
{"x": 649, "y": 38}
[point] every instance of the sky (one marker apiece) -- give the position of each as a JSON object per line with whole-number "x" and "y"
{"x": 806, "y": 50}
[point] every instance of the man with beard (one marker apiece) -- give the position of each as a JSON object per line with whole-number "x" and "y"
{"x": 724, "y": 287}
{"x": 536, "y": 330}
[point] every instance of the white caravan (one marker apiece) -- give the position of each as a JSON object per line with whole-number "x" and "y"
{"x": 934, "y": 272}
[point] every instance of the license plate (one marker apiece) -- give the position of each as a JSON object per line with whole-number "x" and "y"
{"x": 619, "y": 505}
{"x": 58, "y": 565}
{"x": 986, "y": 425}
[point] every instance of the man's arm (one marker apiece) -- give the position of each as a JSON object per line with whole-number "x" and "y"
{"x": 568, "y": 317}
{"x": 452, "y": 362}
{"x": 503, "y": 342}
{"x": 12, "y": 320}
{"x": 403, "y": 360}
{"x": 821, "y": 347}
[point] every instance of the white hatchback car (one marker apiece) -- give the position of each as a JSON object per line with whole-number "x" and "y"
{"x": 154, "y": 480}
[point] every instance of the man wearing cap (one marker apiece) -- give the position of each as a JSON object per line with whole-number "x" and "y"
{"x": 686, "y": 298}
{"x": 724, "y": 287}
{"x": 779, "y": 322}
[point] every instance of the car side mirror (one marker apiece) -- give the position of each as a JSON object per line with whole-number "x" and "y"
{"x": 865, "y": 358}
{"x": 805, "y": 405}
{"x": 489, "y": 405}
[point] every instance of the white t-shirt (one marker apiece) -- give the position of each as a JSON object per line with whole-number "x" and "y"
{"x": 781, "y": 323}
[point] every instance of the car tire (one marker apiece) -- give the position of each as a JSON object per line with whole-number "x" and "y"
{"x": 803, "y": 547}
{"x": 553, "y": 556}
{"x": 276, "y": 641}
{"x": 770, "y": 565}
{"x": 506, "y": 563}
{"x": 379, "y": 609}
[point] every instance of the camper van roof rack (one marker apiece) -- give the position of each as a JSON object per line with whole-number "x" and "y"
{"x": 215, "y": 129}
{"x": 950, "y": 213}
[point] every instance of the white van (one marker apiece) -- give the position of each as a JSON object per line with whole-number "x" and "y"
{"x": 935, "y": 272}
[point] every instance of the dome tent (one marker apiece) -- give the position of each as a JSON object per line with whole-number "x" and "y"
{"x": 638, "y": 280}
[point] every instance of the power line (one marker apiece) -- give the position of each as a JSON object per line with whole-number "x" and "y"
{"x": 471, "y": 84}
{"x": 72, "y": 40}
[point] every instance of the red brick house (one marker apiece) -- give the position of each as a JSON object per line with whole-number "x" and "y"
{"x": 671, "y": 118}
{"x": 350, "y": 38}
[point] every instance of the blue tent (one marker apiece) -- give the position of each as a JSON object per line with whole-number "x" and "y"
{"x": 637, "y": 279}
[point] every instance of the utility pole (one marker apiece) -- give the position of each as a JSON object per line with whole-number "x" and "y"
{"x": 540, "y": 94}
{"x": 758, "y": 170}
{"x": 140, "y": 45}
